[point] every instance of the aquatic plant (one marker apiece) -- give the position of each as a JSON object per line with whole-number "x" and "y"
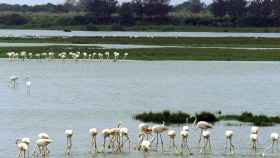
{"x": 183, "y": 117}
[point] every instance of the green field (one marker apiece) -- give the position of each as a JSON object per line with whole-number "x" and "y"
{"x": 185, "y": 53}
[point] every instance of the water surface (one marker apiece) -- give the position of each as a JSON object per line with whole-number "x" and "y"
{"x": 97, "y": 94}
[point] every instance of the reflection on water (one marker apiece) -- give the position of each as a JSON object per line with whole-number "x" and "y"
{"x": 84, "y": 95}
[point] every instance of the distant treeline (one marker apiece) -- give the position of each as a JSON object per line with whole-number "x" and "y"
{"x": 223, "y": 13}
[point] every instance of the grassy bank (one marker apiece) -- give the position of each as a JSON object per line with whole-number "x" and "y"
{"x": 157, "y": 28}
{"x": 190, "y": 41}
{"x": 182, "y": 117}
{"x": 165, "y": 53}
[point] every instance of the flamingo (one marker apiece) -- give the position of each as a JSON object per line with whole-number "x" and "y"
{"x": 41, "y": 148}
{"x": 125, "y": 56}
{"x": 108, "y": 55}
{"x": 23, "y": 55}
{"x": 22, "y": 150}
{"x": 206, "y": 141}
{"x": 229, "y": 135}
{"x": 69, "y": 134}
{"x": 116, "y": 55}
{"x": 106, "y": 134}
{"x": 184, "y": 144}
{"x": 30, "y": 55}
{"x": 172, "y": 136}
{"x": 125, "y": 137}
{"x": 28, "y": 85}
{"x": 275, "y": 140}
{"x": 93, "y": 144}
{"x": 23, "y": 147}
{"x": 254, "y": 139}
{"x": 13, "y": 80}
{"x": 158, "y": 130}
{"x": 202, "y": 125}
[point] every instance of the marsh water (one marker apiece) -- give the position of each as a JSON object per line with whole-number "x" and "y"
{"x": 61, "y": 33}
{"x": 82, "y": 95}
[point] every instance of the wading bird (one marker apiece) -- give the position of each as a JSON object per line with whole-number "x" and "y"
{"x": 13, "y": 80}
{"x": 229, "y": 135}
{"x": 28, "y": 85}
{"x": 185, "y": 134}
{"x": 275, "y": 141}
{"x": 172, "y": 136}
{"x": 159, "y": 130}
{"x": 206, "y": 141}
{"x": 93, "y": 144}
{"x": 68, "y": 147}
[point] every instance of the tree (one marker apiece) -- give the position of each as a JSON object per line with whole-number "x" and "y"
{"x": 276, "y": 8}
{"x": 218, "y": 8}
{"x": 260, "y": 8}
{"x": 127, "y": 14}
{"x": 196, "y": 6}
{"x": 99, "y": 8}
{"x": 236, "y": 8}
{"x": 156, "y": 8}
{"x": 138, "y": 7}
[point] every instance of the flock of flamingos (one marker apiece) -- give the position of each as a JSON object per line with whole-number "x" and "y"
{"x": 150, "y": 138}
{"x": 13, "y": 56}
{"x": 117, "y": 139}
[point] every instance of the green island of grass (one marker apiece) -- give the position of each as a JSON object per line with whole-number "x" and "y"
{"x": 182, "y": 117}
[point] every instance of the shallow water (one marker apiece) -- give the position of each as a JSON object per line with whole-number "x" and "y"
{"x": 59, "y": 33}
{"x": 98, "y": 94}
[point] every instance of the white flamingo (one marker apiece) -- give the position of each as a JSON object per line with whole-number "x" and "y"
{"x": 28, "y": 85}
{"x": 125, "y": 56}
{"x": 23, "y": 55}
{"x": 159, "y": 130}
{"x": 185, "y": 135}
{"x": 69, "y": 134}
{"x": 202, "y": 125}
{"x": 107, "y": 55}
{"x": 41, "y": 148}
{"x": 13, "y": 80}
{"x": 22, "y": 150}
{"x": 172, "y": 136}
{"x": 30, "y": 55}
{"x": 229, "y": 135}
{"x": 93, "y": 143}
{"x": 274, "y": 137}
{"x": 125, "y": 137}
{"x": 206, "y": 141}
{"x": 23, "y": 147}
{"x": 116, "y": 55}
{"x": 106, "y": 134}
{"x": 254, "y": 140}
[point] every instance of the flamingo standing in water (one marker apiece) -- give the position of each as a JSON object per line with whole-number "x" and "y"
{"x": 23, "y": 147}
{"x": 202, "y": 125}
{"x": 28, "y": 85}
{"x": 229, "y": 135}
{"x": 172, "y": 136}
{"x": 93, "y": 144}
{"x": 206, "y": 141}
{"x": 275, "y": 141}
{"x": 69, "y": 134}
{"x": 185, "y": 134}
{"x": 158, "y": 130}
{"x": 22, "y": 150}
{"x": 13, "y": 80}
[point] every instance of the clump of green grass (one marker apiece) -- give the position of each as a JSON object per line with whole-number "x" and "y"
{"x": 165, "y": 116}
{"x": 183, "y": 117}
{"x": 259, "y": 120}
{"x": 175, "y": 117}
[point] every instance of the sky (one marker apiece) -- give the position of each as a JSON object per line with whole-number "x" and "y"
{"x": 32, "y": 2}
